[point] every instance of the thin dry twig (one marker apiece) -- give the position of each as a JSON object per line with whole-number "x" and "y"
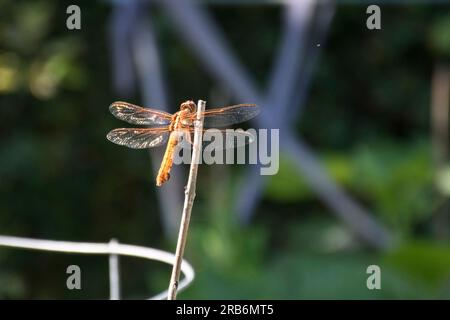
{"x": 189, "y": 195}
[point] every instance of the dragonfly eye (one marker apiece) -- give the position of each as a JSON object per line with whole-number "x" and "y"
{"x": 188, "y": 105}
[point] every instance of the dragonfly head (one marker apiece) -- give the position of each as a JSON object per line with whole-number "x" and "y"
{"x": 189, "y": 106}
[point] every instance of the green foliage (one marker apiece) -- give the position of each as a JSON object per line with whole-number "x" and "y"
{"x": 396, "y": 179}
{"x": 440, "y": 35}
{"x": 331, "y": 267}
{"x": 287, "y": 185}
{"x": 423, "y": 261}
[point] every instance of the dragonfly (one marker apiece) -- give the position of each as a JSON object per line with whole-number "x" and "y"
{"x": 162, "y": 127}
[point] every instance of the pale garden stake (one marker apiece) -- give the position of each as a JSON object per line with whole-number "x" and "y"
{"x": 189, "y": 196}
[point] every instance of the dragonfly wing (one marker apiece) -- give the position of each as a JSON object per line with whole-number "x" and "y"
{"x": 222, "y": 139}
{"x": 137, "y": 115}
{"x": 227, "y": 139}
{"x": 226, "y": 116}
{"x": 139, "y": 138}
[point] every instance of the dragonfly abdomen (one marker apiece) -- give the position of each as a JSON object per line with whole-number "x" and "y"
{"x": 167, "y": 162}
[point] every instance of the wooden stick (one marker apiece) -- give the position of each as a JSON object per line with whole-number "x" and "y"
{"x": 189, "y": 195}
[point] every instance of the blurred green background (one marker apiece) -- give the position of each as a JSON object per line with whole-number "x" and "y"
{"x": 61, "y": 179}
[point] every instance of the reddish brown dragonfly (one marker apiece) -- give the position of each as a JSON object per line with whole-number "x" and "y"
{"x": 163, "y": 126}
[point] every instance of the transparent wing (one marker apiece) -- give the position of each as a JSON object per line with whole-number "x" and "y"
{"x": 137, "y": 115}
{"x": 222, "y": 139}
{"x": 226, "y": 116}
{"x": 139, "y": 138}
{"x": 226, "y": 139}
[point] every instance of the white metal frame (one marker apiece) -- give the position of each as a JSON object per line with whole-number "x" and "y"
{"x": 113, "y": 249}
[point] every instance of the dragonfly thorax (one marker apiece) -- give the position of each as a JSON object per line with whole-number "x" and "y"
{"x": 180, "y": 120}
